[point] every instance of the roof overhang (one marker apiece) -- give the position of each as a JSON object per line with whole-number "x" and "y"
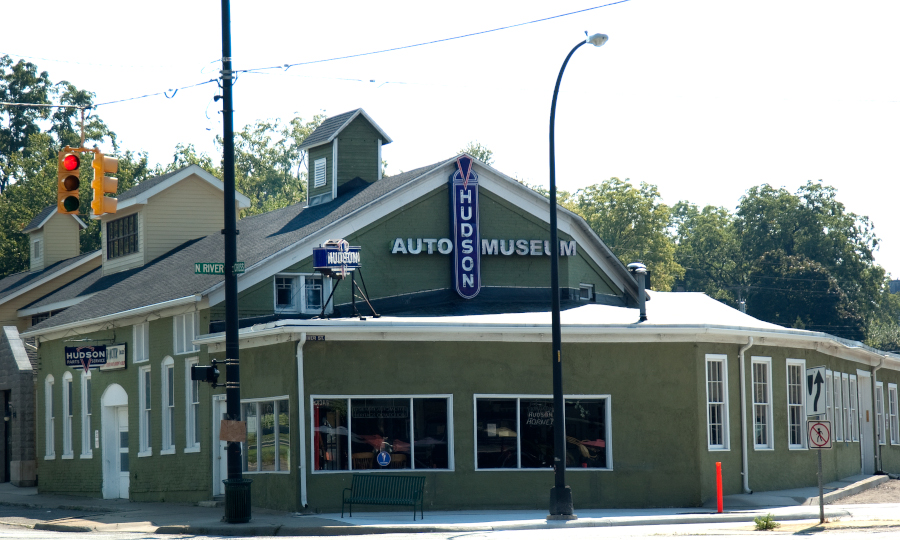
{"x": 385, "y": 139}
{"x": 423, "y": 330}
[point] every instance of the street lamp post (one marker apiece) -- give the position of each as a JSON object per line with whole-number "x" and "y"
{"x": 561, "y": 506}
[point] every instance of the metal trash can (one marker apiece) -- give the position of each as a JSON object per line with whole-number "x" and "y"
{"x": 237, "y": 500}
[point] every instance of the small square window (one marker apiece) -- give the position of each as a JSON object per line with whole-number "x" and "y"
{"x": 301, "y": 293}
{"x": 586, "y": 292}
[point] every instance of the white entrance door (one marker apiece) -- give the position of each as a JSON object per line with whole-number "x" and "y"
{"x": 114, "y": 425}
{"x": 866, "y": 422}
{"x": 220, "y": 459}
{"x": 122, "y": 454}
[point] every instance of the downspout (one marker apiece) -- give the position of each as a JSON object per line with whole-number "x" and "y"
{"x": 301, "y": 417}
{"x": 878, "y": 467}
{"x": 745, "y": 467}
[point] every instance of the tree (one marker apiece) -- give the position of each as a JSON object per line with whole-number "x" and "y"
{"x": 478, "y": 151}
{"x": 633, "y": 223}
{"x": 708, "y": 250}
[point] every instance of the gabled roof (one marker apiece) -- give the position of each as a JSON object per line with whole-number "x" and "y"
{"x": 13, "y": 285}
{"x": 331, "y": 127}
{"x": 150, "y": 187}
{"x": 43, "y": 216}
{"x": 267, "y": 240}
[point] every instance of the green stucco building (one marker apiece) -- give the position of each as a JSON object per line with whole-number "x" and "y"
{"x": 443, "y": 383}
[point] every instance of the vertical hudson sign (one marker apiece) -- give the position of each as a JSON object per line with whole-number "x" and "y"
{"x": 466, "y": 236}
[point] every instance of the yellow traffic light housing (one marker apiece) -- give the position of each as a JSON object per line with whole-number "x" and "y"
{"x": 68, "y": 181}
{"x": 103, "y": 184}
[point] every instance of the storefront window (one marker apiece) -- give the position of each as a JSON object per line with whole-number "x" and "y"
{"x": 383, "y": 433}
{"x": 518, "y": 432}
{"x": 267, "y": 448}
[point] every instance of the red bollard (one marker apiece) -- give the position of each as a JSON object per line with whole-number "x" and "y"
{"x": 719, "y": 485}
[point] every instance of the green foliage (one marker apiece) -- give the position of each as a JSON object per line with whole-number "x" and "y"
{"x": 766, "y": 523}
{"x": 633, "y": 223}
{"x": 708, "y": 250}
{"x": 478, "y": 151}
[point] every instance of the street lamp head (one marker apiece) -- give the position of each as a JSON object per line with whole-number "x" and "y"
{"x": 597, "y": 40}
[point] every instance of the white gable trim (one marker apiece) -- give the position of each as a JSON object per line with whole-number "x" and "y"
{"x": 504, "y": 187}
{"x": 143, "y": 197}
{"x": 384, "y": 136}
{"x": 53, "y": 275}
{"x": 50, "y": 215}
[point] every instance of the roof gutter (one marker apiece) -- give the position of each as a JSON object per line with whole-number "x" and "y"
{"x": 192, "y": 299}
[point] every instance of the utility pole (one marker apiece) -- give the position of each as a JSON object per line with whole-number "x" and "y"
{"x": 237, "y": 489}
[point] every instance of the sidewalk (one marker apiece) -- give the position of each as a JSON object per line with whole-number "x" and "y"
{"x": 84, "y": 515}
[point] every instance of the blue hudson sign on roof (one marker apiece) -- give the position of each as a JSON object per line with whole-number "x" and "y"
{"x": 336, "y": 257}
{"x": 466, "y": 235}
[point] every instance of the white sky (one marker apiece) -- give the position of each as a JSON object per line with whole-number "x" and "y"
{"x": 704, "y": 98}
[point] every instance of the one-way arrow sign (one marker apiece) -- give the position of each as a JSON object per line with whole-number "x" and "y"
{"x": 816, "y": 391}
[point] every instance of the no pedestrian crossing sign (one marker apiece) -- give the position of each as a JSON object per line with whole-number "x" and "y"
{"x": 816, "y": 391}
{"x": 217, "y": 268}
{"x": 819, "y": 432}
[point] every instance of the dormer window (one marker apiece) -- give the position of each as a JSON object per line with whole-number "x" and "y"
{"x": 319, "y": 174}
{"x": 36, "y": 251}
{"x": 122, "y": 237}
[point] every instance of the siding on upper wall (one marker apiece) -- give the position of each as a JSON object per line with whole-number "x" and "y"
{"x": 358, "y": 152}
{"x": 190, "y": 209}
{"x": 60, "y": 239}
{"x": 319, "y": 152}
{"x": 126, "y": 262}
{"x": 37, "y": 263}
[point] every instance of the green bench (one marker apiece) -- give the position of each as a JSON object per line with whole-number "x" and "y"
{"x": 386, "y": 489}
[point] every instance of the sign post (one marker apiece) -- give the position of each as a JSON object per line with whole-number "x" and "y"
{"x": 819, "y": 432}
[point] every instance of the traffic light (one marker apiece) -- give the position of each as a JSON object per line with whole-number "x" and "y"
{"x": 67, "y": 172}
{"x": 103, "y": 184}
{"x": 208, "y": 374}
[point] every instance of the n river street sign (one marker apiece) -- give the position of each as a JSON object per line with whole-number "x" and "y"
{"x": 217, "y": 268}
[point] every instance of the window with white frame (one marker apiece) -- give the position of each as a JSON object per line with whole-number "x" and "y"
{"x": 845, "y": 397}
{"x": 186, "y": 328}
{"x": 854, "y": 417}
{"x": 829, "y": 398}
{"x": 36, "y": 251}
{"x": 267, "y": 447}
{"x": 586, "y": 292}
{"x": 141, "y": 341}
{"x": 838, "y": 408}
{"x": 516, "y": 432}
{"x": 319, "y": 172}
{"x": 717, "y": 401}
{"x": 880, "y": 424}
{"x": 351, "y": 432}
{"x": 86, "y": 412}
{"x": 144, "y": 407}
{"x": 49, "y": 420}
{"x": 67, "y": 415}
{"x": 168, "y": 406}
{"x": 191, "y": 408}
{"x": 796, "y": 373}
{"x": 301, "y": 293}
{"x": 761, "y": 368}
{"x": 892, "y": 413}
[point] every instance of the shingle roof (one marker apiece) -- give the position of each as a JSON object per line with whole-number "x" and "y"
{"x": 12, "y": 283}
{"x": 328, "y": 129}
{"x": 43, "y": 216}
{"x": 171, "y": 276}
{"x": 39, "y": 218}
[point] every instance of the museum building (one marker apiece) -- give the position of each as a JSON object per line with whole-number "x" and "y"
{"x": 430, "y": 356}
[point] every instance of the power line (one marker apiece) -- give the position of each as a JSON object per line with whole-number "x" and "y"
{"x": 442, "y": 40}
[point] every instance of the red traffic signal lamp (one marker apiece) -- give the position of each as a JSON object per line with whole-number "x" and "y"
{"x": 68, "y": 181}
{"x": 103, "y": 184}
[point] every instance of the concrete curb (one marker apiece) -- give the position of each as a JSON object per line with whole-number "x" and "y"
{"x": 57, "y": 527}
{"x": 847, "y": 491}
